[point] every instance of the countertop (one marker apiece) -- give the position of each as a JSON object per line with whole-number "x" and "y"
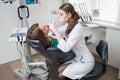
{"x": 96, "y": 23}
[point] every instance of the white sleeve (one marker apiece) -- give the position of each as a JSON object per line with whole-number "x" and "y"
{"x": 73, "y": 38}
{"x": 62, "y": 29}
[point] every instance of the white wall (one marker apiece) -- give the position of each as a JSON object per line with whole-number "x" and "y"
{"x": 9, "y": 20}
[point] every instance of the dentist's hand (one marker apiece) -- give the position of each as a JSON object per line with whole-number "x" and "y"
{"x": 54, "y": 30}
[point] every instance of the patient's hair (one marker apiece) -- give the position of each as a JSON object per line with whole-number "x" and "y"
{"x": 34, "y": 32}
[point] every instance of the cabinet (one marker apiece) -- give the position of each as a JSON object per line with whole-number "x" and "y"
{"x": 113, "y": 39}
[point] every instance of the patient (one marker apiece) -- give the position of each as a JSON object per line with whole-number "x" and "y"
{"x": 40, "y": 32}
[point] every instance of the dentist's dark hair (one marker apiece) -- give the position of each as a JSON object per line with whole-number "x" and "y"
{"x": 68, "y": 8}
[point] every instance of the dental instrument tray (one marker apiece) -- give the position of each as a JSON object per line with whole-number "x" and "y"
{"x": 17, "y": 34}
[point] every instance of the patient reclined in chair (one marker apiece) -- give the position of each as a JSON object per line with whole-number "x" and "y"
{"x": 38, "y": 39}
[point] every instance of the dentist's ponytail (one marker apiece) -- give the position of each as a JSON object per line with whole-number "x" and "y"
{"x": 68, "y": 8}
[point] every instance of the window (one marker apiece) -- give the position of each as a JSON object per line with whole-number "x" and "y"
{"x": 108, "y": 9}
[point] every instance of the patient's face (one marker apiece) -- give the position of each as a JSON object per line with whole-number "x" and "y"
{"x": 44, "y": 28}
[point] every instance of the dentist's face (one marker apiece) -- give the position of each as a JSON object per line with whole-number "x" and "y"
{"x": 44, "y": 28}
{"x": 65, "y": 15}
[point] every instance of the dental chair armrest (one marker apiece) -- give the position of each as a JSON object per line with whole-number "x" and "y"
{"x": 59, "y": 55}
{"x": 50, "y": 49}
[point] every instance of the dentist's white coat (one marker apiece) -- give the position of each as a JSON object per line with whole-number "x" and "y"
{"x": 84, "y": 61}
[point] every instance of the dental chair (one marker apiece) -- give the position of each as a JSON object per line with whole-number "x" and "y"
{"x": 101, "y": 65}
{"x": 54, "y": 57}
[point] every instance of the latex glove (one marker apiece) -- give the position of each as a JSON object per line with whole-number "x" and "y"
{"x": 54, "y": 30}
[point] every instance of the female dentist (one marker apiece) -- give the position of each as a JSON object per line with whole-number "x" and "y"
{"x": 83, "y": 63}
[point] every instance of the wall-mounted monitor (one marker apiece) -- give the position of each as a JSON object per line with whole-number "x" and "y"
{"x": 31, "y": 1}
